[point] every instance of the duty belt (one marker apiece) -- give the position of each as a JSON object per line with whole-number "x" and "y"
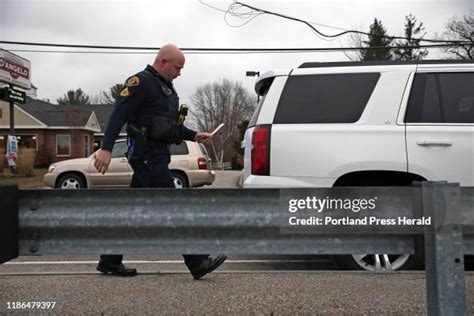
{"x": 158, "y": 145}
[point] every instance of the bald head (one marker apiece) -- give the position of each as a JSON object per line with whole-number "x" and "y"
{"x": 169, "y": 51}
{"x": 169, "y": 62}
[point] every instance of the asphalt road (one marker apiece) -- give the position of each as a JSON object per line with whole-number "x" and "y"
{"x": 244, "y": 284}
{"x": 223, "y": 292}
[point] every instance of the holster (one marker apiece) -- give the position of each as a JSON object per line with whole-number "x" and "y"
{"x": 137, "y": 142}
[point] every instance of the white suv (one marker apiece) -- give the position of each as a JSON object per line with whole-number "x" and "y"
{"x": 363, "y": 124}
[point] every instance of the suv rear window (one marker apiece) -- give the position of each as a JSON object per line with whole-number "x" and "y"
{"x": 441, "y": 98}
{"x": 261, "y": 98}
{"x": 332, "y": 98}
{"x": 181, "y": 149}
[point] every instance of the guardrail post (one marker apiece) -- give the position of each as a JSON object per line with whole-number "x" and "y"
{"x": 9, "y": 223}
{"x": 444, "y": 260}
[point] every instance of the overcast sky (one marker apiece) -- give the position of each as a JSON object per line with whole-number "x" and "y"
{"x": 189, "y": 23}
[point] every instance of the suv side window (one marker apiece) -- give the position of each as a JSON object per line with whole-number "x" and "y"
{"x": 423, "y": 104}
{"x": 332, "y": 98}
{"x": 441, "y": 98}
{"x": 181, "y": 149}
{"x": 457, "y": 95}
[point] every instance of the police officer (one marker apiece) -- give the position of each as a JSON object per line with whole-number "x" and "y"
{"x": 148, "y": 103}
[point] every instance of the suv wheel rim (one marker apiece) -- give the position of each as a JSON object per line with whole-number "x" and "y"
{"x": 70, "y": 184}
{"x": 380, "y": 262}
{"x": 178, "y": 183}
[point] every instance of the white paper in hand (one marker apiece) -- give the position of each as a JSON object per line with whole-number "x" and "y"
{"x": 217, "y": 129}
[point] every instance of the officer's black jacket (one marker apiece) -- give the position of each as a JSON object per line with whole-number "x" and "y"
{"x": 143, "y": 94}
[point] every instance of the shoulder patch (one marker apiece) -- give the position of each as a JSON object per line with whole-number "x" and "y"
{"x": 125, "y": 92}
{"x": 133, "y": 81}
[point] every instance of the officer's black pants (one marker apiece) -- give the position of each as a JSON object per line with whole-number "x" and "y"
{"x": 153, "y": 173}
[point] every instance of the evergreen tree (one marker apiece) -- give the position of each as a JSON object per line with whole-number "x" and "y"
{"x": 377, "y": 38}
{"x": 74, "y": 97}
{"x": 413, "y": 33}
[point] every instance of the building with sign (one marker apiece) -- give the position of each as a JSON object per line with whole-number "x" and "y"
{"x": 15, "y": 70}
{"x": 55, "y": 132}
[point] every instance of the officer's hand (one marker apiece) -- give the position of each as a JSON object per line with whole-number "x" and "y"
{"x": 102, "y": 160}
{"x": 202, "y": 137}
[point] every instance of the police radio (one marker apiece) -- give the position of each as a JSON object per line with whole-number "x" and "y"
{"x": 183, "y": 112}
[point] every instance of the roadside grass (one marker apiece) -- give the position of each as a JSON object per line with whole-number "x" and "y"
{"x": 34, "y": 181}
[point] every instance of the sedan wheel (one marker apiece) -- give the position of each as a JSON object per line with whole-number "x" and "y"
{"x": 71, "y": 181}
{"x": 380, "y": 262}
{"x": 179, "y": 181}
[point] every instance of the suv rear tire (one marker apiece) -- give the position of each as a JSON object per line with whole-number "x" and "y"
{"x": 378, "y": 262}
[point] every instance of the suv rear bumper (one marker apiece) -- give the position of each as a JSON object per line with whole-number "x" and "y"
{"x": 252, "y": 181}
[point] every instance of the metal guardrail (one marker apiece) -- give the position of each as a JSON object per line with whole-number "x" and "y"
{"x": 164, "y": 221}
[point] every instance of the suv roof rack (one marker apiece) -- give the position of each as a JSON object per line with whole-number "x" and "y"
{"x": 383, "y": 63}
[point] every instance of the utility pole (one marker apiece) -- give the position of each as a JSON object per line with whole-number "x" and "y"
{"x": 12, "y": 116}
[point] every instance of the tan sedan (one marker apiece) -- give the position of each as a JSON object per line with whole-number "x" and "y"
{"x": 189, "y": 167}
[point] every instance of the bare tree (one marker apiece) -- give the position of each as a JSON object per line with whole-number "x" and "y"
{"x": 225, "y": 102}
{"x": 355, "y": 40}
{"x": 460, "y": 30}
{"x": 107, "y": 97}
{"x": 112, "y": 95}
{"x": 97, "y": 98}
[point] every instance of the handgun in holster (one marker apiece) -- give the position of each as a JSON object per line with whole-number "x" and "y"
{"x": 183, "y": 112}
{"x": 137, "y": 143}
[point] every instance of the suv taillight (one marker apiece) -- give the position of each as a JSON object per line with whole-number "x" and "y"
{"x": 202, "y": 164}
{"x": 260, "y": 155}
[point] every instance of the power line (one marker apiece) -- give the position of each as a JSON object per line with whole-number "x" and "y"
{"x": 277, "y": 51}
{"x": 344, "y": 32}
{"x": 79, "y": 46}
{"x": 240, "y": 15}
{"x": 212, "y": 7}
{"x": 244, "y": 16}
{"x": 200, "y": 50}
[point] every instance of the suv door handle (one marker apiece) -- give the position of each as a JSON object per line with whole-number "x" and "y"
{"x": 123, "y": 160}
{"x": 433, "y": 143}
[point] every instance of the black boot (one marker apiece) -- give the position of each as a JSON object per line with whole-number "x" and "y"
{"x": 205, "y": 266}
{"x": 116, "y": 269}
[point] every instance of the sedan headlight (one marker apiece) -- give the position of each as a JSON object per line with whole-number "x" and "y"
{"x": 51, "y": 168}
